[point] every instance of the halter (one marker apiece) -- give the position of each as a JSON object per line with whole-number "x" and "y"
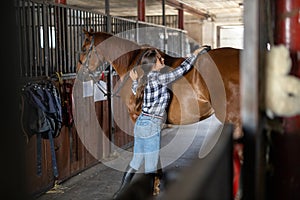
{"x": 85, "y": 64}
{"x": 102, "y": 69}
{"x": 104, "y": 66}
{"x": 91, "y": 48}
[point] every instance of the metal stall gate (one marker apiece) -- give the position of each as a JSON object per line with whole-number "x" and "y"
{"x": 50, "y": 37}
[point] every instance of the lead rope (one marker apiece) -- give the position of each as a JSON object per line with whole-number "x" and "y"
{"x": 123, "y": 82}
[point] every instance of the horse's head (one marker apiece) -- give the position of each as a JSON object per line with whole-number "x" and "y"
{"x": 90, "y": 59}
{"x": 99, "y": 48}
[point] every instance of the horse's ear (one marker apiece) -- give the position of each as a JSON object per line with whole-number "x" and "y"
{"x": 86, "y": 33}
{"x": 91, "y": 30}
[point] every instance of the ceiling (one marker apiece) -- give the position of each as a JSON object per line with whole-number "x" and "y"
{"x": 216, "y": 9}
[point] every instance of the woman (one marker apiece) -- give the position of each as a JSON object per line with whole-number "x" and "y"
{"x": 152, "y": 95}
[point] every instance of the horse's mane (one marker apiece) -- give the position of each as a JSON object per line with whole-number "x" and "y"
{"x": 123, "y": 55}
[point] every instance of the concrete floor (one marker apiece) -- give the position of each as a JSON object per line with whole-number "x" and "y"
{"x": 180, "y": 148}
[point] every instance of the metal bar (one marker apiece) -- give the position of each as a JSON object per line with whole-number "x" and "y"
{"x": 91, "y": 20}
{"x": 85, "y": 22}
{"x": 45, "y": 40}
{"x": 287, "y": 33}
{"x": 285, "y": 160}
{"x": 59, "y": 39}
{"x": 88, "y": 19}
{"x": 108, "y": 17}
{"x": 27, "y": 58}
{"x": 69, "y": 39}
{"x": 32, "y": 49}
{"x": 99, "y": 24}
{"x": 95, "y": 22}
{"x": 39, "y": 38}
{"x": 163, "y": 3}
{"x": 78, "y": 33}
{"x": 111, "y": 107}
{"x": 81, "y": 26}
{"x": 110, "y": 81}
{"x": 73, "y": 40}
{"x": 64, "y": 41}
{"x": 57, "y": 44}
{"x": 19, "y": 31}
{"x": 52, "y": 43}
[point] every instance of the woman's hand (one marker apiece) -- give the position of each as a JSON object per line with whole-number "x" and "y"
{"x": 197, "y": 51}
{"x": 133, "y": 75}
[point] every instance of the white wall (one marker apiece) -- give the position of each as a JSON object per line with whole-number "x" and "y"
{"x": 215, "y": 33}
{"x": 223, "y": 34}
{"x": 230, "y": 36}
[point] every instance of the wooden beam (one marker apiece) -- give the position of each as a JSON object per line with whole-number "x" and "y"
{"x": 61, "y": 1}
{"x": 180, "y": 19}
{"x": 187, "y": 8}
{"x": 250, "y": 90}
{"x": 141, "y": 10}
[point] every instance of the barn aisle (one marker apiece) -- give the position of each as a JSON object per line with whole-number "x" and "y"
{"x": 181, "y": 148}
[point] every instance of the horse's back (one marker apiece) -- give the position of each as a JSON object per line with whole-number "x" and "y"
{"x": 215, "y": 83}
{"x": 227, "y": 61}
{"x": 226, "y": 58}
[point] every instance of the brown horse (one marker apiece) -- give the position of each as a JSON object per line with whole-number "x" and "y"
{"x": 212, "y": 86}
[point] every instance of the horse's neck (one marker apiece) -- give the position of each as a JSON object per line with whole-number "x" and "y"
{"x": 128, "y": 61}
{"x": 121, "y": 53}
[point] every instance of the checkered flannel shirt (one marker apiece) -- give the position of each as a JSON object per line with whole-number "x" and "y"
{"x": 156, "y": 96}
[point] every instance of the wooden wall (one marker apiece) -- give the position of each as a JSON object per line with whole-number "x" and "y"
{"x": 71, "y": 153}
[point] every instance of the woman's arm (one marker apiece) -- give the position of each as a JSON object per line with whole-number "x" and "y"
{"x": 179, "y": 71}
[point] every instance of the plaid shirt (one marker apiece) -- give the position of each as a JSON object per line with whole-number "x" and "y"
{"x": 156, "y": 96}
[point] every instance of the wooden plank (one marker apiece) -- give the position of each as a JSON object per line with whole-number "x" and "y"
{"x": 252, "y": 76}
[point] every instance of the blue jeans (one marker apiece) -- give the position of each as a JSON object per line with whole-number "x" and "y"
{"x": 146, "y": 143}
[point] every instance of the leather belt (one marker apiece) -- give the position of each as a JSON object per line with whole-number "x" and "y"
{"x": 151, "y": 115}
